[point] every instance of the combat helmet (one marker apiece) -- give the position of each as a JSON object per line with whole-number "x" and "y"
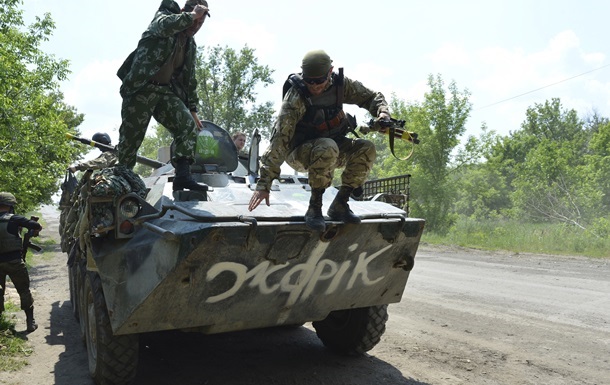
{"x": 101, "y": 137}
{"x": 7, "y": 199}
{"x": 316, "y": 64}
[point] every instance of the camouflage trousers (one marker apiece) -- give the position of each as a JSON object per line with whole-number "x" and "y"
{"x": 168, "y": 109}
{"x": 320, "y": 157}
{"x": 18, "y": 272}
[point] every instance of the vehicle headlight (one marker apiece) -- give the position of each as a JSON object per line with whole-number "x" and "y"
{"x": 129, "y": 208}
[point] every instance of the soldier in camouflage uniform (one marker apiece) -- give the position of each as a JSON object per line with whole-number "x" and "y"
{"x": 11, "y": 261}
{"x": 310, "y": 132}
{"x": 106, "y": 159}
{"x": 159, "y": 81}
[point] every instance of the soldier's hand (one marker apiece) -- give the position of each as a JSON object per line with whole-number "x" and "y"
{"x": 196, "y": 119}
{"x": 385, "y": 117}
{"x": 200, "y": 11}
{"x": 257, "y": 198}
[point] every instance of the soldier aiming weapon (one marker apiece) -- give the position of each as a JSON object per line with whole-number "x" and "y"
{"x": 26, "y": 240}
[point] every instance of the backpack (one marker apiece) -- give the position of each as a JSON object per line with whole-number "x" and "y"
{"x": 67, "y": 188}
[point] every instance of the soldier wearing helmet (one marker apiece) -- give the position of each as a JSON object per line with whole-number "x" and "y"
{"x": 11, "y": 262}
{"x": 310, "y": 135}
{"x": 159, "y": 81}
{"x": 106, "y": 159}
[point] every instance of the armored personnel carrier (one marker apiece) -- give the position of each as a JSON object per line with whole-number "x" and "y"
{"x": 144, "y": 258}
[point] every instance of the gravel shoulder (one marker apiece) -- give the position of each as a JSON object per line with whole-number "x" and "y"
{"x": 467, "y": 317}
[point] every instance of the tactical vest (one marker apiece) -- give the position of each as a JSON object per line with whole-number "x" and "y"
{"x": 324, "y": 117}
{"x": 8, "y": 242}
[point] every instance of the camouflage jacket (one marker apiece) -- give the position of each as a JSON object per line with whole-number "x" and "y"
{"x": 155, "y": 47}
{"x": 293, "y": 110}
{"x": 106, "y": 159}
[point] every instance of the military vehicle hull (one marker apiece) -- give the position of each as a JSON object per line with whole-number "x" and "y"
{"x": 215, "y": 270}
{"x": 147, "y": 259}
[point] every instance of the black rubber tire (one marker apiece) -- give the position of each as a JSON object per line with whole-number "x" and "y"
{"x": 353, "y": 331}
{"x": 73, "y": 296}
{"x": 72, "y": 281}
{"x": 113, "y": 360}
{"x": 81, "y": 273}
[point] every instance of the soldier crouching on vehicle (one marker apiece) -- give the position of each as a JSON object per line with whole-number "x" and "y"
{"x": 309, "y": 135}
{"x": 11, "y": 261}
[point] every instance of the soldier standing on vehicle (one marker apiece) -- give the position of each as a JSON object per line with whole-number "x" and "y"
{"x": 106, "y": 159}
{"x": 310, "y": 132}
{"x": 11, "y": 261}
{"x": 159, "y": 81}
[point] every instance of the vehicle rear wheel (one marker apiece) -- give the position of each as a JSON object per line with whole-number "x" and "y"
{"x": 113, "y": 359}
{"x": 353, "y": 331}
{"x": 81, "y": 304}
{"x": 72, "y": 281}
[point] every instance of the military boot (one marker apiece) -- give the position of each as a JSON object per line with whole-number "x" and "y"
{"x": 30, "y": 321}
{"x": 339, "y": 209}
{"x": 313, "y": 217}
{"x": 184, "y": 179}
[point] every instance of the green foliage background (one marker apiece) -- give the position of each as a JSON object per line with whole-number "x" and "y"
{"x": 552, "y": 172}
{"x": 33, "y": 116}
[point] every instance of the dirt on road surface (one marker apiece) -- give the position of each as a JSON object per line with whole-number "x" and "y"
{"x": 467, "y": 317}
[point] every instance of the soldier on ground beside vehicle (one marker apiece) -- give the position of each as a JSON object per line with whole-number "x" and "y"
{"x": 309, "y": 135}
{"x": 106, "y": 159}
{"x": 11, "y": 261}
{"x": 159, "y": 81}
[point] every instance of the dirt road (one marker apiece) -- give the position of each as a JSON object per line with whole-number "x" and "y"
{"x": 467, "y": 317}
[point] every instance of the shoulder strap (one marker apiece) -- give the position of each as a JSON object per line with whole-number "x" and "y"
{"x": 391, "y": 135}
{"x": 296, "y": 81}
{"x": 339, "y": 82}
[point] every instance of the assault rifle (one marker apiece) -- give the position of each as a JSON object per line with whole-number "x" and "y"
{"x": 394, "y": 129}
{"x": 26, "y": 240}
{"x": 140, "y": 159}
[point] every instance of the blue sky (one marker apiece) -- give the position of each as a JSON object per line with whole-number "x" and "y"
{"x": 497, "y": 50}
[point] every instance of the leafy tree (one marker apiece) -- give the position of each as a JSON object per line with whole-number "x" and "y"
{"x": 227, "y": 82}
{"x": 481, "y": 189}
{"x": 548, "y": 163}
{"x": 439, "y": 121}
{"x": 33, "y": 115}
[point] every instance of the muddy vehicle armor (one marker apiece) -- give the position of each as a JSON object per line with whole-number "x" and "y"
{"x": 144, "y": 258}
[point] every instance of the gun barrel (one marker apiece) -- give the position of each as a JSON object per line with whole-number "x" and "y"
{"x": 140, "y": 159}
{"x": 34, "y": 246}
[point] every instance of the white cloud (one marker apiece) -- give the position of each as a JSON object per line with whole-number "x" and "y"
{"x": 450, "y": 54}
{"x": 94, "y": 91}
{"x": 562, "y": 42}
{"x": 234, "y": 33}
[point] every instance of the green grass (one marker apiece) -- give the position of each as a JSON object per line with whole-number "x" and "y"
{"x": 522, "y": 237}
{"x": 43, "y": 240}
{"x": 14, "y": 349}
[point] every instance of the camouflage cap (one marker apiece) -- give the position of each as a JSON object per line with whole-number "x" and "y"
{"x": 7, "y": 199}
{"x": 316, "y": 64}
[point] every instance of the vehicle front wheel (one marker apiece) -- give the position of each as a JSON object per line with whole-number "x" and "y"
{"x": 113, "y": 360}
{"x": 353, "y": 331}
